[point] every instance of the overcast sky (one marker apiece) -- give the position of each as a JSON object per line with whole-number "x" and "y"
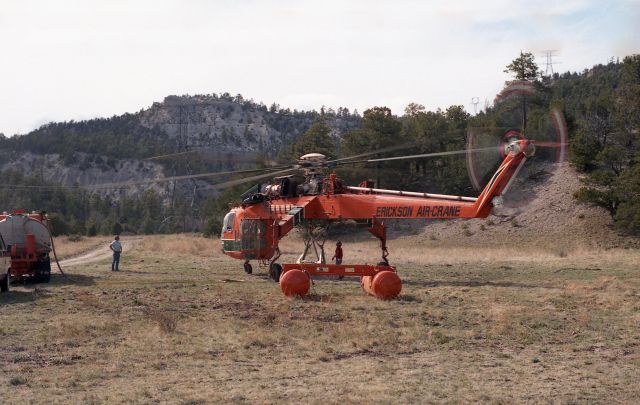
{"x": 65, "y": 59}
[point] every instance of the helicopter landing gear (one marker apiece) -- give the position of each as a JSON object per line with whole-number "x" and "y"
{"x": 385, "y": 285}
{"x": 379, "y": 230}
{"x": 380, "y": 281}
{"x": 247, "y": 268}
{"x": 275, "y": 271}
{"x": 312, "y": 240}
{"x": 295, "y": 283}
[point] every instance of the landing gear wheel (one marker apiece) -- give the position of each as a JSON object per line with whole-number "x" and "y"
{"x": 247, "y": 268}
{"x": 5, "y": 282}
{"x": 275, "y": 271}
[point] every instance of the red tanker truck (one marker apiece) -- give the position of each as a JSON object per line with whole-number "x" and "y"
{"x": 25, "y": 243}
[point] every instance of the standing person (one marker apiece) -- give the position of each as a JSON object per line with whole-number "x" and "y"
{"x": 116, "y": 247}
{"x": 338, "y": 254}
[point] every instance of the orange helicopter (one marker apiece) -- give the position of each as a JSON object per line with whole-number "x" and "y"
{"x": 308, "y": 197}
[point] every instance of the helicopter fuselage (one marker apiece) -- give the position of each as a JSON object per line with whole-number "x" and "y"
{"x": 252, "y": 230}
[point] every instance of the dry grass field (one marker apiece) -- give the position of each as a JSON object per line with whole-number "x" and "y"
{"x": 183, "y": 324}
{"x": 66, "y": 247}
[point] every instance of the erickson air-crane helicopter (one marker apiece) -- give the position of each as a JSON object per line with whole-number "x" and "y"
{"x": 306, "y": 195}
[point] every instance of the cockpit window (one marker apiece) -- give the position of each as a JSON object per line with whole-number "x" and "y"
{"x": 253, "y": 234}
{"x": 227, "y": 223}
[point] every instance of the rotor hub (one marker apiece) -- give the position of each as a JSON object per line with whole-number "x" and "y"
{"x": 312, "y": 163}
{"x": 520, "y": 145}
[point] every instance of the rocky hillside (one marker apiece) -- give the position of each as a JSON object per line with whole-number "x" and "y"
{"x": 231, "y": 123}
{"x": 88, "y": 170}
{"x": 230, "y": 132}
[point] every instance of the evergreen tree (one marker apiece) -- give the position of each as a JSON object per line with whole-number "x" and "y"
{"x": 380, "y": 130}
{"x": 524, "y": 67}
{"x": 317, "y": 139}
{"x": 608, "y": 148}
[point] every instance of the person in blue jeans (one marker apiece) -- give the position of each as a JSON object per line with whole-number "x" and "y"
{"x": 116, "y": 247}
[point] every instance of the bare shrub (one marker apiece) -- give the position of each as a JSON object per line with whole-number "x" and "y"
{"x": 17, "y": 380}
{"x": 75, "y": 238}
{"x": 166, "y": 321}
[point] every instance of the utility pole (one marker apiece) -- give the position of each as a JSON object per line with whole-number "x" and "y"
{"x": 475, "y": 101}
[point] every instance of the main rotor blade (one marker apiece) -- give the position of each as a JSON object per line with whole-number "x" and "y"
{"x": 170, "y": 155}
{"x": 246, "y": 180}
{"x": 184, "y": 177}
{"x": 548, "y": 144}
{"x": 389, "y": 149}
{"x": 425, "y": 155}
{"x": 211, "y": 153}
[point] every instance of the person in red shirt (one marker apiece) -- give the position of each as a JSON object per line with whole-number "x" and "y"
{"x": 338, "y": 255}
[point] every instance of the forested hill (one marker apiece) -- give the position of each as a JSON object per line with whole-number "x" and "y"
{"x": 179, "y": 123}
{"x": 604, "y": 105}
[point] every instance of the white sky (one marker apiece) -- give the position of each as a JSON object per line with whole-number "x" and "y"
{"x": 66, "y": 59}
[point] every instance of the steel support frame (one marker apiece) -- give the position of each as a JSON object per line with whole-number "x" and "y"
{"x": 347, "y": 270}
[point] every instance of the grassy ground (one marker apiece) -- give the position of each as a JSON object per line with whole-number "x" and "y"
{"x": 183, "y": 324}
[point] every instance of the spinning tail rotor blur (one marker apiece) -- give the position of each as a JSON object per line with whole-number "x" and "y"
{"x": 513, "y": 118}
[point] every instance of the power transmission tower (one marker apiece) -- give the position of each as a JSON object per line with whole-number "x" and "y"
{"x": 549, "y": 54}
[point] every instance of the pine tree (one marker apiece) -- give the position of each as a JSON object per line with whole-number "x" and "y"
{"x": 316, "y": 140}
{"x": 524, "y": 67}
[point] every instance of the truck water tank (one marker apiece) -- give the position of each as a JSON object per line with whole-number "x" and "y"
{"x": 15, "y": 228}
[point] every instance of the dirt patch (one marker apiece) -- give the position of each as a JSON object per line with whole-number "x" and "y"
{"x": 98, "y": 253}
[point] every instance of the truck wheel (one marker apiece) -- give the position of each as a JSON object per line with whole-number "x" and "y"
{"x": 247, "y": 268}
{"x": 45, "y": 272}
{"x": 5, "y": 282}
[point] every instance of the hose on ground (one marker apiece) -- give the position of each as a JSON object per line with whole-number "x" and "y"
{"x": 55, "y": 256}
